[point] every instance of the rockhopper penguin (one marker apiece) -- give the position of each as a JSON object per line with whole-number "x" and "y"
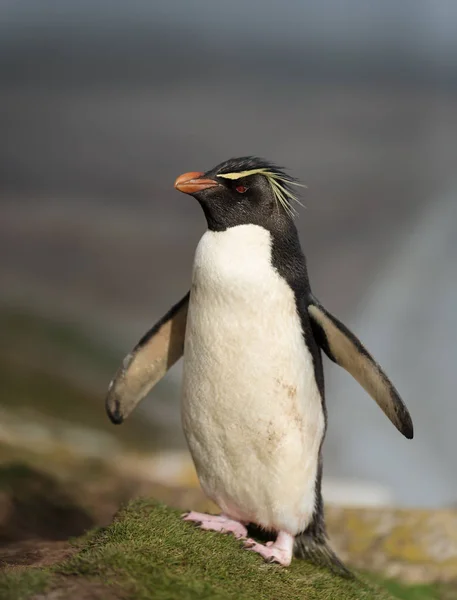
{"x": 251, "y": 331}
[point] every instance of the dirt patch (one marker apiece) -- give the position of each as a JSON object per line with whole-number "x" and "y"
{"x": 290, "y": 389}
{"x": 36, "y": 553}
{"x": 33, "y": 505}
{"x": 72, "y": 587}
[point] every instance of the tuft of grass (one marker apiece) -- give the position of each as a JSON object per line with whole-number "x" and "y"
{"x": 19, "y": 584}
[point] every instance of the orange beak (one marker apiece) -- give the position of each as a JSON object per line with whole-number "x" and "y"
{"x": 190, "y": 183}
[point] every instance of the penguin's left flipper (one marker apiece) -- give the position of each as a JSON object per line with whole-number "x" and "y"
{"x": 343, "y": 348}
{"x": 155, "y": 353}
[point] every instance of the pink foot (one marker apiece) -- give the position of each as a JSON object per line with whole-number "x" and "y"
{"x": 219, "y": 523}
{"x": 278, "y": 552}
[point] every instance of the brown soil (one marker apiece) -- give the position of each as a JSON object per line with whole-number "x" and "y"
{"x": 72, "y": 587}
{"x": 33, "y": 505}
{"x": 36, "y": 553}
{"x": 40, "y": 513}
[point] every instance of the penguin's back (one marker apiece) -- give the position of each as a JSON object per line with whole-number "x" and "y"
{"x": 252, "y": 412}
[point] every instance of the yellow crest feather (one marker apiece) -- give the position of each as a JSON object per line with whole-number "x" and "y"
{"x": 282, "y": 195}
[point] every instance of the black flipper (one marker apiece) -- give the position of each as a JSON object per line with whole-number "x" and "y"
{"x": 152, "y": 357}
{"x": 343, "y": 348}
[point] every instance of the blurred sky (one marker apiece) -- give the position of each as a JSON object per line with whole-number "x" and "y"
{"x": 426, "y": 27}
{"x": 103, "y": 104}
{"x": 415, "y": 37}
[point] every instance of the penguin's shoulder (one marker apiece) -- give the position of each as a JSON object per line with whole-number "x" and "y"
{"x": 288, "y": 259}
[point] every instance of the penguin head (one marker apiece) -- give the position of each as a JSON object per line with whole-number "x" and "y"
{"x": 241, "y": 191}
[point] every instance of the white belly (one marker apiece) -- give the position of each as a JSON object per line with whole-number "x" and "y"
{"x": 251, "y": 408}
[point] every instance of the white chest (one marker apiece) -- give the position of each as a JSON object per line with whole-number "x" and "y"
{"x": 251, "y": 409}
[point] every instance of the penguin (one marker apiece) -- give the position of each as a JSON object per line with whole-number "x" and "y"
{"x": 251, "y": 333}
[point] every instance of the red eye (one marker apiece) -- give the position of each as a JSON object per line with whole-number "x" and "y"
{"x": 241, "y": 189}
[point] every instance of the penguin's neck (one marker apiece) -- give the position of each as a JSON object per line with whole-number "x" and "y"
{"x": 226, "y": 216}
{"x": 237, "y": 256}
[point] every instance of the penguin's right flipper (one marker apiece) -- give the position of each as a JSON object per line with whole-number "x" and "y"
{"x": 346, "y": 350}
{"x": 155, "y": 353}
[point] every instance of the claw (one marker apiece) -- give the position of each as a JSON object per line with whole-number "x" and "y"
{"x": 278, "y": 552}
{"x": 219, "y": 523}
{"x": 272, "y": 560}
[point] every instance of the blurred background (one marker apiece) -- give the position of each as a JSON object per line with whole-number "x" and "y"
{"x": 103, "y": 104}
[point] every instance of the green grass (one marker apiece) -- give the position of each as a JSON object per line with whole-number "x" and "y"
{"x": 22, "y": 584}
{"x": 148, "y": 552}
{"x": 415, "y": 592}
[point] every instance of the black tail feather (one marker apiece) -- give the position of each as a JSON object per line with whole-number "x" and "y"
{"x": 317, "y": 550}
{"x": 312, "y": 544}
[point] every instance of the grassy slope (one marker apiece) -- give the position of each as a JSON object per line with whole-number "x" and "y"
{"x": 148, "y": 552}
